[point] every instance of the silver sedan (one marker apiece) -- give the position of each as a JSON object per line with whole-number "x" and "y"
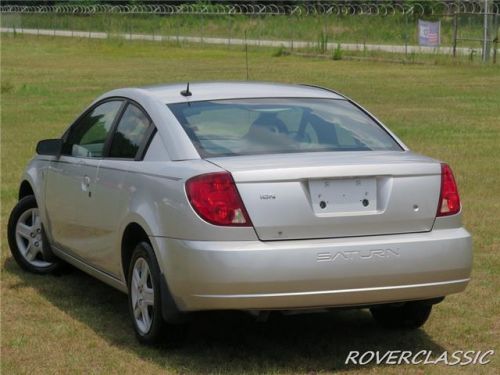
{"x": 247, "y": 196}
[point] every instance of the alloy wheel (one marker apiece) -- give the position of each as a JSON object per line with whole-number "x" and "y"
{"x": 142, "y": 294}
{"x": 29, "y": 238}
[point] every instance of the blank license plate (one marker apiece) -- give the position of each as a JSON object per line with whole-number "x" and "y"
{"x": 344, "y": 195}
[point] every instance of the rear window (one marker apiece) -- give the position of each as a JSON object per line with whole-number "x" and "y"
{"x": 270, "y": 126}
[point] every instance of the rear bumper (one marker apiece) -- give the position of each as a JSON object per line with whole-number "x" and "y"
{"x": 207, "y": 275}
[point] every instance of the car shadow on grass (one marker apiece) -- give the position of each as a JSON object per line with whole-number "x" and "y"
{"x": 227, "y": 342}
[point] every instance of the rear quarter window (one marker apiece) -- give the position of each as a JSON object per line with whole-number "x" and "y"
{"x": 130, "y": 133}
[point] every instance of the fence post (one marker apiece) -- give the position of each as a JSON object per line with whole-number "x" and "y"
{"x": 455, "y": 33}
{"x": 230, "y": 21}
{"x": 495, "y": 40}
{"x": 202, "y": 26}
{"x": 130, "y": 27}
{"x": 486, "y": 45}
{"x": 406, "y": 34}
{"x": 177, "y": 21}
{"x": 246, "y": 54}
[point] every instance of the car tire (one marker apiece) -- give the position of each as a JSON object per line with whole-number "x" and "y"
{"x": 27, "y": 238}
{"x": 144, "y": 295}
{"x": 410, "y": 315}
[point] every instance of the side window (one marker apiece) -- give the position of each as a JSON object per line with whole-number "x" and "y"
{"x": 130, "y": 133}
{"x": 88, "y": 136}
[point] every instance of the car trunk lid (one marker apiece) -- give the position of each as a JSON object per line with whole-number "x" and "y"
{"x": 336, "y": 194}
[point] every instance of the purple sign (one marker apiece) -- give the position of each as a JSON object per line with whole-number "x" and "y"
{"x": 429, "y": 33}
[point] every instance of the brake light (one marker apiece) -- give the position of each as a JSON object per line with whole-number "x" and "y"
{"x": 215, "y": 198}
{"x": 449, "y": 199}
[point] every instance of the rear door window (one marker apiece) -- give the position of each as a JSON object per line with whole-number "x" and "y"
{"x": 130, "y": 133}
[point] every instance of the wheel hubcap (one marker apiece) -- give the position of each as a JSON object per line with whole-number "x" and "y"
{"x": 29, "y": 238}
{"x": 142, "y": 295}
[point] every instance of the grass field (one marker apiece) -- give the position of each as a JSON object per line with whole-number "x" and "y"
{"x": 71, "y": 323}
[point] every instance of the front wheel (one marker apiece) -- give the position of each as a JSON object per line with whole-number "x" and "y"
{"x": 410, "y": 315}
{"x": 27, "y": 239}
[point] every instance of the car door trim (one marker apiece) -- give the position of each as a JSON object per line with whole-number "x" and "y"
{"x": 173, "y": 178}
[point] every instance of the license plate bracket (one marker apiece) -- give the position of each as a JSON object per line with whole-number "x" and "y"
{"x": 344, "y": 195}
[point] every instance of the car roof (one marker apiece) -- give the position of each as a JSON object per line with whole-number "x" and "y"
{"x": 171, "y": 93}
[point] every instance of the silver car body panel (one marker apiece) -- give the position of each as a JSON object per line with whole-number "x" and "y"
{"x": 313, "y": 273}
{"x": 291, "y": 257}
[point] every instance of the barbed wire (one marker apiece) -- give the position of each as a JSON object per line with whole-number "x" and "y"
{"x": 304, "y": 9}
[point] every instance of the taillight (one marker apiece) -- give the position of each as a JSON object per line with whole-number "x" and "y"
{"x": 215, "y": 198}
{"x": 449, "y": 199}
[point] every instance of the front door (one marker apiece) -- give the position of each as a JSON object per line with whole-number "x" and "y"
{"x": 71, "y": 180}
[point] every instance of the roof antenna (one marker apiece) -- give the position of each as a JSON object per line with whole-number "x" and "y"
{"x": 186, "y": 92}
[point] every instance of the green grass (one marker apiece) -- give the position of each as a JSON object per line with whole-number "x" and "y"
{"x": 344, "y": 29}
{"x": 74, "y": 324}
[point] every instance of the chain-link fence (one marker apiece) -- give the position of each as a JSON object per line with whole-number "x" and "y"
{"x": 466, "y": 27}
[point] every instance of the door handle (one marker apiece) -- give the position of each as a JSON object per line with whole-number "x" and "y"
{"x": 86, "y": 183}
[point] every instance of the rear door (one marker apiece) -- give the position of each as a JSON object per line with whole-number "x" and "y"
{"x": 323, "y": 195}
{"x": 111, "y": 192}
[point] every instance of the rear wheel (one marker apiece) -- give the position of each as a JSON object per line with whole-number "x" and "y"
{"x": 144, "y": 295}
{"x": 410, "y": 315}
{"x": 27, "y": 238}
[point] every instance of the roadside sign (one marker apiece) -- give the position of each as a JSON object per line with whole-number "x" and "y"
{"x": 429, "y": 33}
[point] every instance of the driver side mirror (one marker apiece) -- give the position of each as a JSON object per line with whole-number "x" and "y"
{"x": 51, "y": 147}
